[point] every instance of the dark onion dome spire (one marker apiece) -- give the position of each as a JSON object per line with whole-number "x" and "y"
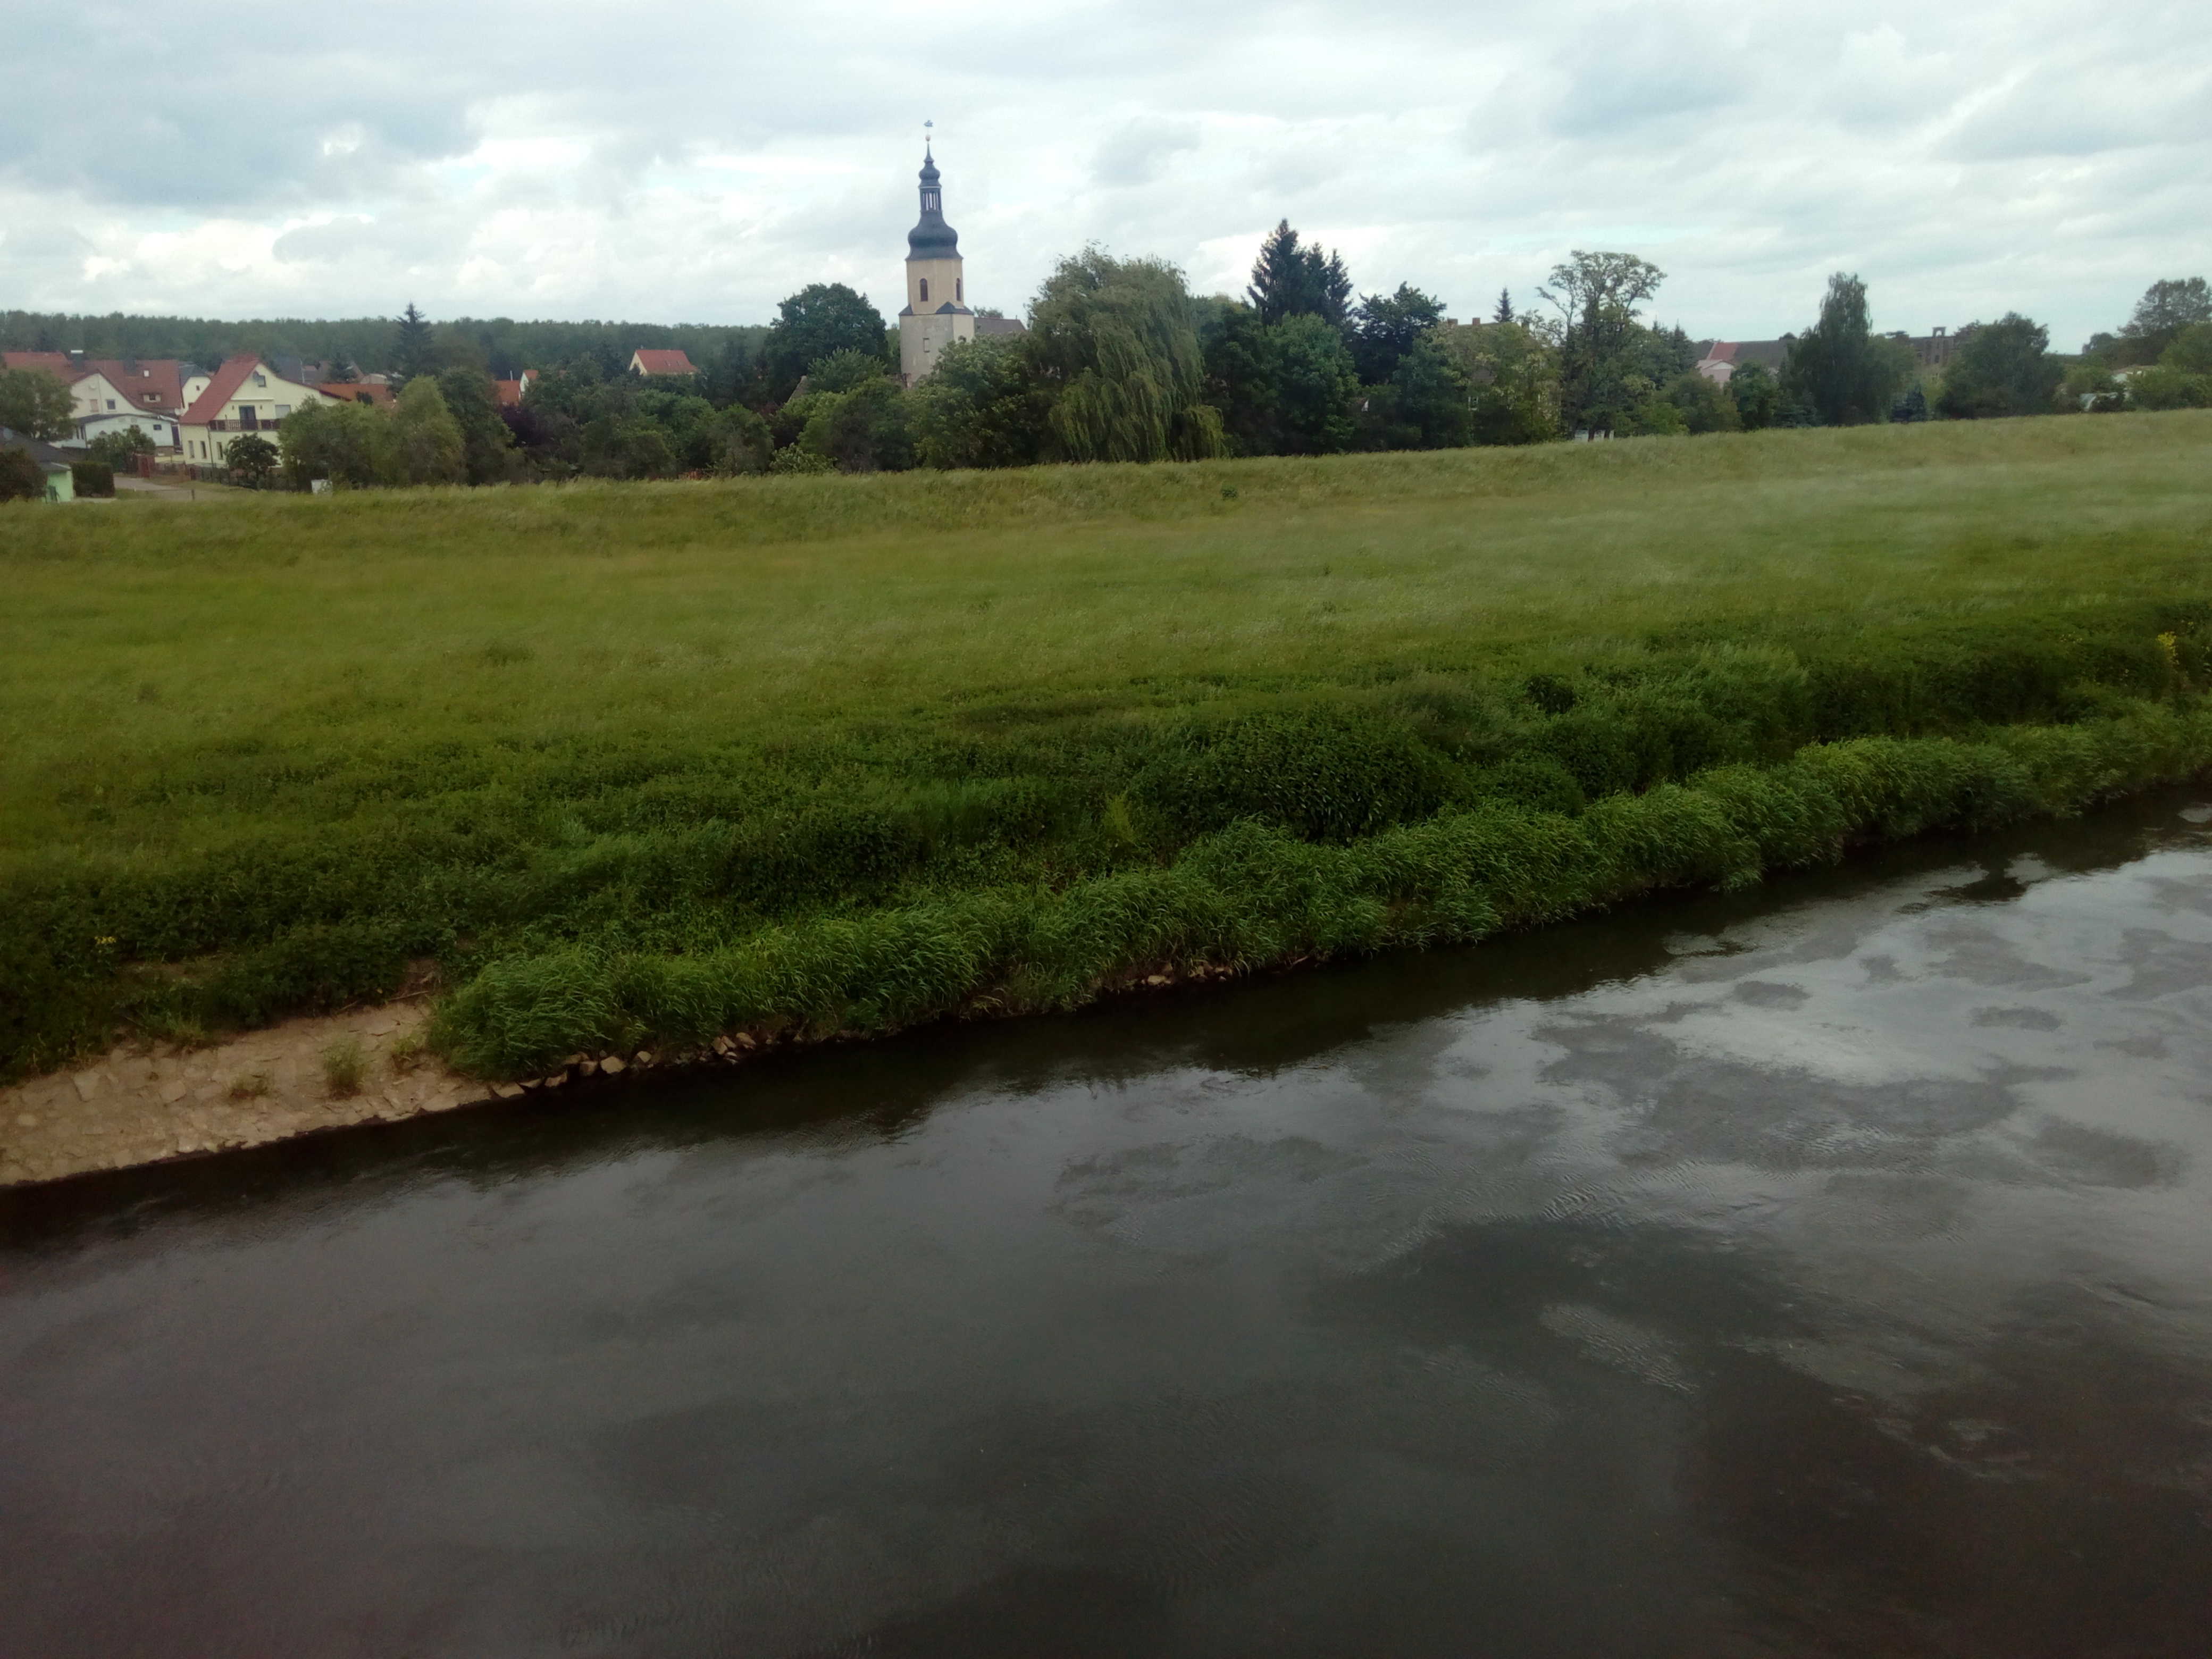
{"x": 932, "y": 239}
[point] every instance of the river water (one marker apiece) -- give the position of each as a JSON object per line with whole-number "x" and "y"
{"x": 1824, "y": 1270}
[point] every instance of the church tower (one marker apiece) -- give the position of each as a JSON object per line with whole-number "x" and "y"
{"x": 936, "y": 311}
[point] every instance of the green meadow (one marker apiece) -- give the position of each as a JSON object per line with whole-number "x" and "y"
{"x": 623, "y": 765}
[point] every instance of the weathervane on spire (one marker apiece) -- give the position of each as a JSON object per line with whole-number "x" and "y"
{"x": 926, "y": 126}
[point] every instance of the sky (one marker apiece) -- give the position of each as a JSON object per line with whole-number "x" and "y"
{"x": 695, "y": 163}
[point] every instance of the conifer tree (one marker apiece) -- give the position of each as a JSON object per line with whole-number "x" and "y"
{"x": 1505, "y": 312}
{"x": 410, "y": 351}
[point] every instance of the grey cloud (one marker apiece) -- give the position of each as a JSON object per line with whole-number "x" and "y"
{"x": 1141, "y": 151}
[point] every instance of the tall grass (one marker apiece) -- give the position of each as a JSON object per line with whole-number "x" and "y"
{"x": 991, "y": 739}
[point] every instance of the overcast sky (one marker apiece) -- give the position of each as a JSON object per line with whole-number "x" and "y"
{"x": 671, "y": 163}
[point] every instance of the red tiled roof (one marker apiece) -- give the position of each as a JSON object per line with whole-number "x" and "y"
{"x": 163, "y": 377}
{"x": 510, "y": 393}
{"x": 662, "y": 363}
{"x": 355, "y": 392}
{"x": 227, "y": 379}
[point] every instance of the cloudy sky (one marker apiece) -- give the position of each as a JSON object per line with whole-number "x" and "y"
{"x": 666, "y": 163}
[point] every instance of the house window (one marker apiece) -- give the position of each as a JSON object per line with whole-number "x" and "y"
{"x": 282, "y": 410}
{"x": 249, "y": 418}
{"x": 959, "y": 292}
{"x": 925, "y": 291}
{"x": 260, "y": 379}
{"x": 111, "y": 403}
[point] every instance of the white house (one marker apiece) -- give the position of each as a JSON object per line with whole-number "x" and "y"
{"x": 245, "y": 395}
{"x": 108, "y": 393}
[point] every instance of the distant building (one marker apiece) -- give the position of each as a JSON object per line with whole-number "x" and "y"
{"x": 110, "y": 394}
{"x": 510, "y": 393}
{"x": 644, "y": 361}
{"x": 990, "y": 324}
{"x": 1937, "y": 347}
{"x": 1718, "y": 359}
{"x": 377, "y": 395}
{"x": 936, "y": 313}
{"x": 246, "y": 394}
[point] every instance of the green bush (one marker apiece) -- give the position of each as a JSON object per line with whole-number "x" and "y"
{"x": 93, "y": 477}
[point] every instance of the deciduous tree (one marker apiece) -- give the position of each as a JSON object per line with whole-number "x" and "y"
{"x": 1385, "y": 326}
{"x": 1117, "y": 342}
{"x": 820, "y": 320}
{"x": 1838, "y": 367}
{"x": 1597, "y": 295}
{"x": 34, "y": 404}
{"x": 2005, "y": 368}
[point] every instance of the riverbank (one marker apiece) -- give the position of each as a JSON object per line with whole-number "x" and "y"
{"x": 144, "y": 1102}
{"x": 624, "y": 767}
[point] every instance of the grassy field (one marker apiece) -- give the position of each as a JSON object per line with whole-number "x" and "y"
{"x": 265, "y": 754}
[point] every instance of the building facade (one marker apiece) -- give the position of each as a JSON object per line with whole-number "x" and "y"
{"x": 246, "y": 394}
{"x": 936, "y": 313}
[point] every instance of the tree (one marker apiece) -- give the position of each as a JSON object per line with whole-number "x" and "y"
{"x": 981, "y": 406}
{"x": 1290, "y": 280}
{"x": 1117, "y": 341}
{"x": 821, "y": 318}
{"x": 2182, "y": 378}
{"x": 1505, "y": 312}
{"x": 1756, "y": 394}
{"x": 1840, "y": 369}
{"x": 427, "y": 445}
{"x": 844, "y": 371}
{"x": 1432, "y": 395}
{"x": 1513, "y": 379}
{"x": 20, "y": 480}
{"x": 1385, "y": 327}
{"x": 488, "y": 448}
{"x": 349, "y": 444}
{"x": 1597, "y": 295}
{"x": 120, "y": 449}
{"x": 1702, "y": 405}
{"x": 34, "y": 404}
{"x": 2005, "y": 368}
{"x": 412, "y": 345}
{"x": 252, "y": 459}
{"x": 1912, "y": 407}
{"x": 2166, "y": 309}
{"x": 627, "y": 446}
{"x": 1315, "y": 386}
{"x": 738, "y": 442}
{"x": 864, "y": 430}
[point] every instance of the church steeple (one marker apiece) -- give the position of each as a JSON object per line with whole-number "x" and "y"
{"x": 932, "y": 238}
{"x": 936, "y": 314}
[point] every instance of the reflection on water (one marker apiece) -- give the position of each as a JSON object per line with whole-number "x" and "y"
{"x": 1820, "y": 1271}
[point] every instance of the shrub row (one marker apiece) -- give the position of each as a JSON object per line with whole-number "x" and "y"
{"x": 1255, "y": 893}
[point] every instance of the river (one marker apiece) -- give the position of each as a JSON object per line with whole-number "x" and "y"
{"x": 1825, "y": 1269}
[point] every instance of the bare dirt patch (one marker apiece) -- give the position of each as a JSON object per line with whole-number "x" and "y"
{"x": 136, "y": 1105}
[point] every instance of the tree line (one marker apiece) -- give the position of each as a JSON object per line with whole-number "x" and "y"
{"x": 1121, "y": 362}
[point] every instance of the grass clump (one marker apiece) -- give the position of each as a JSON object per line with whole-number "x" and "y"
{"x": 344, "y": 1065}
{"x": 843, "y": 753}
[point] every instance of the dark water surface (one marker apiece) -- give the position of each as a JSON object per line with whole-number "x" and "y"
{"x": 1823, "y": 1270}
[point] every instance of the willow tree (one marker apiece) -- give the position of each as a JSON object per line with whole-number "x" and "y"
{"x": 1117, "y": 341}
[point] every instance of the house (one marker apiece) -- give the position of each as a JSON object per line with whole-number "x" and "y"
{"x": 645, "y": 361}
{"x": 106, "y": 394}
{"x": 511, "y": 393}
{"x": 246, "y": 394}
{"x": 989, "y": 324}
{"x": 377, "y": 396}
{"x": 55, "y": 465}
{"x": 1718, "y": 359}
